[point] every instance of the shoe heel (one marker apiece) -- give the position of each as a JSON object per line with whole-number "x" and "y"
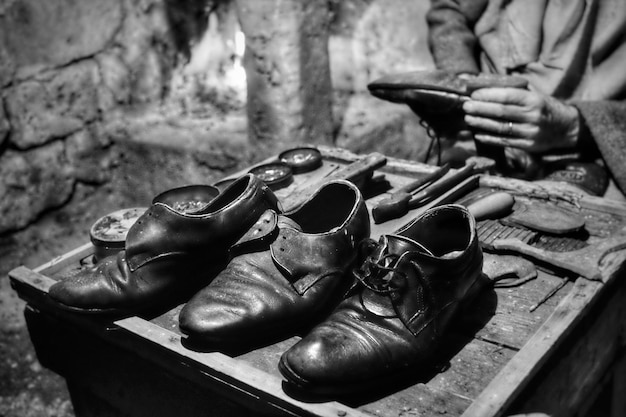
{"x": 480, "y": 284}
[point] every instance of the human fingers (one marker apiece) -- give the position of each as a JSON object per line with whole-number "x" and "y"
{"x": 525, "y": 144}
{"x": 503, "y": 95}
{"x": 500, "y": 127}
{"x": 494, "y": 110}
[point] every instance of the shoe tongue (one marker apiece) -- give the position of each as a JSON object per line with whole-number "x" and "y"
{"x": 284, "y": 222}
{"x": 398, "y": 245}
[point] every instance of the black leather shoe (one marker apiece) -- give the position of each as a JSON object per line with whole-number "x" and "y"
{"x": 169, "y": 251}
{"x": 409, "y": 289}
{"x": 286, "y": 272}
{"x": 437, "y": 96}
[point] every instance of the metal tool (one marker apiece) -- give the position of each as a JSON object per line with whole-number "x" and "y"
{"x": 429, "y": 193}
{"x": 398, "y": 201}
{"x": 550, "y": 294}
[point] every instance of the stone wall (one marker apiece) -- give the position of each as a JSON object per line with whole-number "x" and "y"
{"x": 90, "y": 95}
{"x": 64, "y": 64}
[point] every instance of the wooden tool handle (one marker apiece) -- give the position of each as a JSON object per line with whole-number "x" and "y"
{"x": 494, "y": 205}
{"x": 441, "y": 186}
{"x": 432, "y": 177}
{"x": 397, "y": 204}
{"x": 355, "y": 172}
{"x": 391, "y": 208}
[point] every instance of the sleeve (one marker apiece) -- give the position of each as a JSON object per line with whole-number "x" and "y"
{"x": 451, "y": 38}
{"x": 604, "y": 123}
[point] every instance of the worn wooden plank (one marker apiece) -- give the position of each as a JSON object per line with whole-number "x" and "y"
{"x": 417, "y": 394}
{"x": 519, "y": 371}
{"x": 416, "y": 400}
{"x": 31, "y": 278}
{"x": 618, "y": 400}
{"x": 513, "y": 323}
{"x": 584, "y": 361}
{"x": 62, "y": 261}
{"x": 472, "y": 368}
{"x": 119, "y": 375}
{"x": 234, "y": 372}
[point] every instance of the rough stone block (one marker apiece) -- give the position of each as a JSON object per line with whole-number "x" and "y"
{"x": 153, "y": 153}
{"x": 114, "y": 89}
{"x": 7, "y": 66}
{"x": 287, "y": 64}
{"x": 4, "y": 123}
{"x": 370, "y": 125}
{"x": 44, "y": 109}
{"x": 32, "y": 182}
{"x": 44, "y": 34}
{"x": 148, "y": 47}
{"x": 88, "y": 154}
{"x": 377, "y": 37}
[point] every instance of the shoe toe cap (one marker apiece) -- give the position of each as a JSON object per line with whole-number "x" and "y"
{"x": 87, "y": 290}
{"x": 212, "y": 320}
{"x": 322, "y": 357}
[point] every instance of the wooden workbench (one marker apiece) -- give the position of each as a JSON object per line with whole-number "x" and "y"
{"x": 564, "y": 358}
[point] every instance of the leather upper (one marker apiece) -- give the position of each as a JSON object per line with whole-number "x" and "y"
{"x": 167, "y": 251}
{"x": 284, "y": 271}
{"x": 410, "y": 286}
{"x": 164, "y": 232}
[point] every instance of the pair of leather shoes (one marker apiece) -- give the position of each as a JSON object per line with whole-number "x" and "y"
{"x": 170, "y": 251}
{"x": 286, "y": 272}
{"x": 409, "y": 288}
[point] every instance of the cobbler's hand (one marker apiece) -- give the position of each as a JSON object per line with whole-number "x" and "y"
{"x": 521, "y": 119}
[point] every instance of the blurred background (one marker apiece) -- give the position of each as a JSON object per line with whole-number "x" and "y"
{"x": 105, "y": 103}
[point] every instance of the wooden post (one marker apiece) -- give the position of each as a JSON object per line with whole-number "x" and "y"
{"x": 288, "y": 72}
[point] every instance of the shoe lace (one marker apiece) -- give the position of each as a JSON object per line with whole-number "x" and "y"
{"x": 379, "y": 274}
{"x": 434, "y": 138}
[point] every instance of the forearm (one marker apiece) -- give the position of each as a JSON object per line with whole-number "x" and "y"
{"x": 451, "y": 39}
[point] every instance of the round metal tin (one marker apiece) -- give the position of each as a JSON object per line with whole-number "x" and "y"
{"x": 303, "y": 159}
{"x": 108, "y": 233}
{"x": 275, "y": 174}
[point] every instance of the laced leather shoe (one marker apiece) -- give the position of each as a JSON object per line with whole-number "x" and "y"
{"x": 168, "y": 252}
{"x": 408, "y": 291}
{"x": 288, "y": 270}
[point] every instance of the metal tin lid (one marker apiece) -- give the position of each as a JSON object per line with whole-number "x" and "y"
{"x": 111, "y": 230}
{"x": 188, "y": 198}
{"x": 303, "y": 159}
{"x": 275, "y": 174}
